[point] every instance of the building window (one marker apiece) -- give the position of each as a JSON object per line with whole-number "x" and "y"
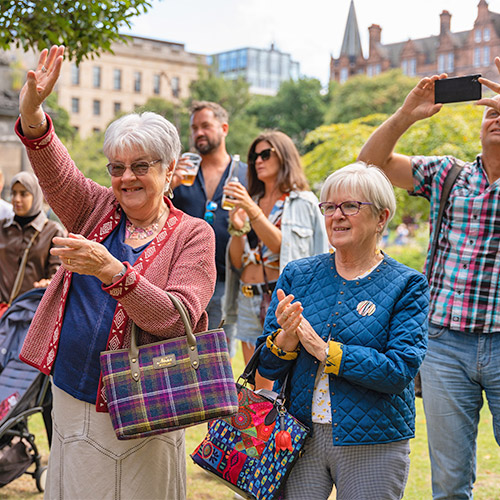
{"x": 96, "y": 76}
{"x": 137, "y": 81}
{"x": 450, "y": 67}
{"x": 117, "y": 107}
{"x": 477, "y": 57}
{"x": 75, "y": 105}
{"x": 117, "y": 79}
{"x": 156, "y": 84}
{"x": 96, "y": 107}
{"x": 344, "y": 74}
{"x": 75, "y": 74}
{"x": 486, "y": 34}
{"x": 369, "y": 70}
{"x": 409, "y": 67}
{"x": 378, "y": 69}
{"x": 96, "y": 130}
{"x": 175, "y": 84}
{"x": 486, "y": 56}
{"x": 477, "y": 35}
{"x": 441, "y": 63}
{"x": 223, "y": 63}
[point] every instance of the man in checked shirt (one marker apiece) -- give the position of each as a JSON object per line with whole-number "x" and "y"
{"x": 463, "y": 353}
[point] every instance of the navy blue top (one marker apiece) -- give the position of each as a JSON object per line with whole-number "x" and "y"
{"x": 87, "y": 321}
{"x": 193, "y": 200}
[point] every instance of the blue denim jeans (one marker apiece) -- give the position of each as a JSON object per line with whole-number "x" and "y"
{"x": 214, "y": 310}
{"x": 457, "y": 368}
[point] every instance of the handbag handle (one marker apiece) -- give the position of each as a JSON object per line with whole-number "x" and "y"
{"x": 250, "y": 370}
{"x": 133, "y": 352}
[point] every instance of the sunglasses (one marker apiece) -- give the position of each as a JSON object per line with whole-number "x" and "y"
{"x": 138, "y": 168}
{"x": 210, "y": 209}
{"x": 265, "y": 154}
{"x": 347, "y": 208}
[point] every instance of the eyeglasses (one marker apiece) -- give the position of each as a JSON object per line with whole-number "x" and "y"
{"x": 138, "y": 168}
{"x": 210, "y": 208}
{"x": 265, "y": 154}
{"x": 347, "y": 208}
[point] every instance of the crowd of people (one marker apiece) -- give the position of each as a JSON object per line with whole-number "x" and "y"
{"x": 304, "y": 279}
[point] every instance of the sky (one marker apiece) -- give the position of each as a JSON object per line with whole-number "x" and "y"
{"x": 309, "y": 30}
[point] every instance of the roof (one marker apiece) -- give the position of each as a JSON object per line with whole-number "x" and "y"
{"x": 351, "y": 45}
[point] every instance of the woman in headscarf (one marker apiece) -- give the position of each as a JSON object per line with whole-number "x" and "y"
{"x": 30, "y": 223}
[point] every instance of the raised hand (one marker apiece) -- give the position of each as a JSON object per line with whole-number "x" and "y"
{"x": 39, "y": 85}
{"x": 419, "y": 103}
{"x": 487, "y": 101}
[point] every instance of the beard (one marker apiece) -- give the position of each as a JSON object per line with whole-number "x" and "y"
{"x": 208, "y": 146}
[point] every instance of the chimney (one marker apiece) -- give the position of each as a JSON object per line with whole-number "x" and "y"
{"x": 445, "y": 22}
{"x": 375, "y": 32}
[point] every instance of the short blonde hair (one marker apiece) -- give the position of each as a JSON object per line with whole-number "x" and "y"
{"x": 364, "y": 180}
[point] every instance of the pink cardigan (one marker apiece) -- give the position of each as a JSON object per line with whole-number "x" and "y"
{"x": 185, "y": 266}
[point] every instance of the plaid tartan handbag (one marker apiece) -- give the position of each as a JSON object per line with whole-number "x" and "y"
{"x": 253, "y": 451}
{"x": 171, "y": 384}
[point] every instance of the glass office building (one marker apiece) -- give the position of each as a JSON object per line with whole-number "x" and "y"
{"x": 263, "y": 69}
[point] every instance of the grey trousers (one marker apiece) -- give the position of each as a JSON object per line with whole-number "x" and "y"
{"x": 87, "y": 461}
{"x": 363, "y": 472}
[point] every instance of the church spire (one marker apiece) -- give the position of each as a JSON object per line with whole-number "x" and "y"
{"x": 351, "y": 45}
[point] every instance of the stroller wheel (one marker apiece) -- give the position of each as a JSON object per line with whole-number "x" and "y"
{"x": 41, "y": 478}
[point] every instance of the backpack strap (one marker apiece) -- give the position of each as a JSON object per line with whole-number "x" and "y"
{"x": 449, "y": 180}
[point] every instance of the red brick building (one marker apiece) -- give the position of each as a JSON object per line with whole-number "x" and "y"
{"x": 460, "y": 53}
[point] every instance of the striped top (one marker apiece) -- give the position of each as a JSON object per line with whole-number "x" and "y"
{"x": 269, "y": 258}
{"x": 465, "y": 279}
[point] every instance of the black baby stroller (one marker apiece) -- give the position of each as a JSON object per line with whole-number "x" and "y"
{"x": 24, "y": 391}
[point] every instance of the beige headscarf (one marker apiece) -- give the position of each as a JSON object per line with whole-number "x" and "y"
{"x": 30, "y": 182}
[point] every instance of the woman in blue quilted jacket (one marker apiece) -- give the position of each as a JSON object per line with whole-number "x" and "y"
{"x": 351, "y": 328}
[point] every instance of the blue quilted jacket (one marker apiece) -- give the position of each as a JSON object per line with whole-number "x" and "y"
{"x": 372, "y": 397}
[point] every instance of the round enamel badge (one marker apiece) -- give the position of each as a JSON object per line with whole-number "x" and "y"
{"x": 366, "y": 308}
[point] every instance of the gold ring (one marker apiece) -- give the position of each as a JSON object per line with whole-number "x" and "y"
{"x": 44, "y": 69}
{"x": 68, "y": 262}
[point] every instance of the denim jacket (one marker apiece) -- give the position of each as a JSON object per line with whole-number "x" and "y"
{"x": 303, "y": 234}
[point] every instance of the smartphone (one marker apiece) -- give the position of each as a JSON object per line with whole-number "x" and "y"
{"x": 457, "y": 89}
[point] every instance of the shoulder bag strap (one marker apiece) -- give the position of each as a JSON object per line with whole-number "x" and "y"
{"x": 450, "y": 179}
{"x": 22, "y": 267}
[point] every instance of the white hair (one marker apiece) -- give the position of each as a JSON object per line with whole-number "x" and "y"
{"x": 366, "y": 181}
{"x": 148, "y": 131}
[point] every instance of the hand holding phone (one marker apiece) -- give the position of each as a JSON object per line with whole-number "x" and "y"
{"x": 457, "y": 89}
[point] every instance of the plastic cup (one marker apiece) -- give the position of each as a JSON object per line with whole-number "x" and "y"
{"x": 191, "y": 168}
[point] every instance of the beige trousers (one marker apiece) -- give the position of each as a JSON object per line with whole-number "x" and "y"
{"x": 88, "y": 462}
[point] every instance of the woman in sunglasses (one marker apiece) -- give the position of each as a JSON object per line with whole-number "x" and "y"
{"x": 350, "y": 329}
{"x": 126, "y": 246}
{"x": 277, "y": 220}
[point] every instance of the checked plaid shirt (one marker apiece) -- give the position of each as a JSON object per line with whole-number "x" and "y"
{"x": 465, "y": 279}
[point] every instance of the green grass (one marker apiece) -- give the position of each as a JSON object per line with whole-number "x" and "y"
{"x": 202, "y": 487}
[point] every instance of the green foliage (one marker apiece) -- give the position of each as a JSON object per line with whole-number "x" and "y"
{"x": 60, "y": 117}
{"x": 297, "y": 109}
{"x": 234, "y": 97}
{"x": 362, "y": 95}
{"x": 176, "y": 113}
{"x": 337, "y": 145}
{"x": 89, "y": 158}
{"x": 453, "y": 131}
{"x": 87, "y": 28}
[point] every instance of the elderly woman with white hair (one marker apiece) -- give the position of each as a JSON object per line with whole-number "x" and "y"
{"x": 350, "y": 330}
{"x": 126, "y": 246}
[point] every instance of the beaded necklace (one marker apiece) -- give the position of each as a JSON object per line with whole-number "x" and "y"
{"x": 141, "y": 233}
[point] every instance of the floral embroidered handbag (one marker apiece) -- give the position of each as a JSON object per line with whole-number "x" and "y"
{"x": 253, "y": 451}
{"x": 171, "y": 384}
